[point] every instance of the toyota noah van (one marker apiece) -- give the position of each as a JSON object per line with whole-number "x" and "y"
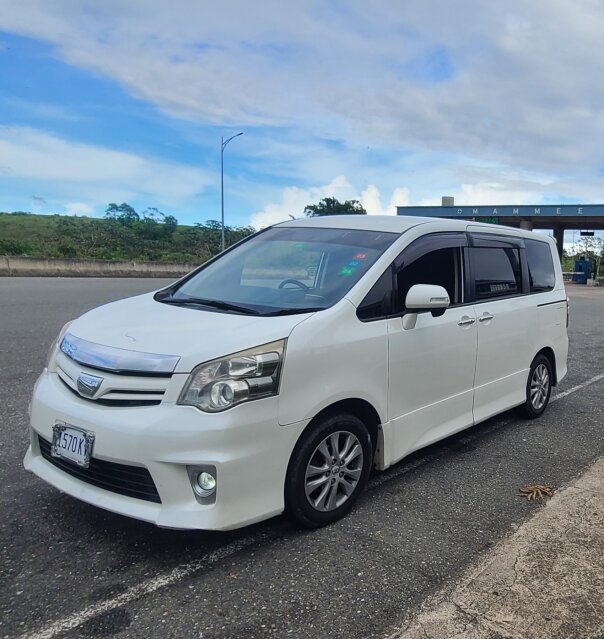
{"x": 278, "y": 374}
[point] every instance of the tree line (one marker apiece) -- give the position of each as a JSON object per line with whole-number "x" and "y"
{"x": 123, "y": 234}
{"x": 151, "y": 235}
{"x": 126, "y": 234}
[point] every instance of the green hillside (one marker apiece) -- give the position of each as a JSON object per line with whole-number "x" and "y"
{"x": 123, "y": 234}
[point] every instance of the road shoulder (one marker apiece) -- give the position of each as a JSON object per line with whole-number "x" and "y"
{"x": 546, "y": 580}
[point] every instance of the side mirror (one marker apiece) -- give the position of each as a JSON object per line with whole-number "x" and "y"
{"x": 427, "y": 297}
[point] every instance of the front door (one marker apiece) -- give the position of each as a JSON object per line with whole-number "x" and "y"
{"x": 431, "y": 365}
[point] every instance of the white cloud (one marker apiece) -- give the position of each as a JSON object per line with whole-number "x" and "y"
{"x": 518, "y": 83}
{"x": 515, "y": 87}
{"x": 492, "y": 192}
{"x": 74, "y": 170}
{"x": 400, "y": 197}
{"x": 78, "y": 208}
{"x": 294, "y": 200}
{"x": 507, "y": 189}
{"x": 371, "y": 200}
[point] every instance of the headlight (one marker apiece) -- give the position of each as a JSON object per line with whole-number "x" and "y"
{"x": 55, "y": 343}
{"x": 241, "y": 377}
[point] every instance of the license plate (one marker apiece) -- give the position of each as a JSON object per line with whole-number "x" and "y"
{"x": 72, "y": 443}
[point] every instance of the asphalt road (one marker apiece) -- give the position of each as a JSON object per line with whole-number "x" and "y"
{"x": 71, "y": 570}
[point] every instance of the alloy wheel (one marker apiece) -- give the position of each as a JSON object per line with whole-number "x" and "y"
{"x": 539, "y": 386}
{"x": 333, "y": 471}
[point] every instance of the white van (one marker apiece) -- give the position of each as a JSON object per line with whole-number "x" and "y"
{"x": 275, "y": 376}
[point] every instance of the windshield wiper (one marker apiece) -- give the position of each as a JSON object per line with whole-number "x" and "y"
{"x": 293, "y": 311}
{"x": 199, "y": 301}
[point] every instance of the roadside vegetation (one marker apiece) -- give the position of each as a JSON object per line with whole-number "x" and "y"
{"x": 126, "y": 234}
{"x": 150, "y": 235}
{"x": 332, "y": 206}
{"x": 123, "y": 234}
{"x": 589, "y": 248}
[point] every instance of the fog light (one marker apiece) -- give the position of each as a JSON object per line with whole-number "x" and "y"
{"x": 205, "y": 484}
{"x": 204, "y": 480}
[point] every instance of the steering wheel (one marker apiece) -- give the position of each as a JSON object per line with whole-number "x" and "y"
{"x": 297, "y": 283}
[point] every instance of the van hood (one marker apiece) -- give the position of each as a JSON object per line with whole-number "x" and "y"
{"x": 141, "y": 324}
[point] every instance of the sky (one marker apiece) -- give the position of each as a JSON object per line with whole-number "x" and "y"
{"x": 387, "y": 102}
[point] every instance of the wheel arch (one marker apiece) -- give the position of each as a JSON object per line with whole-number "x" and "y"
{"x": 548, "y": 352}
{"x": 361, "y": 409}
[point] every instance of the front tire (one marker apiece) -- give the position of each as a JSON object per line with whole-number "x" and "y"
{"x": 328, "y": 470}
{"x": 538, "y": 388}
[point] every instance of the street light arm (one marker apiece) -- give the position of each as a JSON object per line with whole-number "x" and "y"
{"x": 225, "y": 142}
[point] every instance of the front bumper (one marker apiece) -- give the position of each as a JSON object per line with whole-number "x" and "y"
{"x": 246, "y": 444}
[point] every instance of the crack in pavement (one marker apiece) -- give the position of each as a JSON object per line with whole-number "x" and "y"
{"x": 540, "y": 557}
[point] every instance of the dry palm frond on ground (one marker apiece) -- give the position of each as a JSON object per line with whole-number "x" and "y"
{"x": 536, "y": 491}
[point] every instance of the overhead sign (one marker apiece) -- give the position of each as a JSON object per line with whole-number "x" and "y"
{"x": 562, "y": 210}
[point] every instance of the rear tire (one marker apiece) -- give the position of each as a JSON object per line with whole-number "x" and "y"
{"x": 538, "y": 388}
{"x": 328, "y": 470}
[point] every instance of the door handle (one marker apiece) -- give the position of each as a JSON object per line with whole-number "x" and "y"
{"x": 486, "y": 317}
{"x": 466, "y": 321}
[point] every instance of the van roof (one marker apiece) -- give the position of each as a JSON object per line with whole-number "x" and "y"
{"x": 386, "y": 223}
{"x": 401, "y": 223}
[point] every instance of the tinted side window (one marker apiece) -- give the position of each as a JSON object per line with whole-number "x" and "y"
{"x": 378, "y": 302}
{"x": 441, "y": 267}
{"x": 497, "y": 272}
{"x": 540, "y": 266}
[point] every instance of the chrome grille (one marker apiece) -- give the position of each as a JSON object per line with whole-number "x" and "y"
{"x": 115, "y": 389}
{"x": 122, "y": 401}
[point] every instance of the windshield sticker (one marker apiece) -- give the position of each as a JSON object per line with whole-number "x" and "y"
{"x": 360, "y": 256}
{"x": 347, "y": 271}
{"x": 353, "y": 263}
{"x": 299, "y": 246}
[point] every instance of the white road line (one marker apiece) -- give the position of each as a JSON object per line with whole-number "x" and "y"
{"x": 388, "y": 475}
{"x": 145, "y": 588}
{"x": 185, "y": 570}
{"x": 590, "y": 381}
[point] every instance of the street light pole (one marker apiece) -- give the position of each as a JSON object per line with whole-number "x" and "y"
{"x": 223, "y": 144}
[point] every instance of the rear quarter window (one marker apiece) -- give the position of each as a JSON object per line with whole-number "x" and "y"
{"x": 497, "y": 272}
{"x": 540, "y": 266}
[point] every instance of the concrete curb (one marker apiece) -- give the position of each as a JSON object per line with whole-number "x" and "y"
{"x": 18, "y": 266}
{"x": 546, "y": 580}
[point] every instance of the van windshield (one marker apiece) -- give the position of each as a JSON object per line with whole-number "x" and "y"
{"x": 283, "y": 270}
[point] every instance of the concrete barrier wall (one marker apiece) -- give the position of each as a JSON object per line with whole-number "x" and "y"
{"x": 17, "y": 266}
